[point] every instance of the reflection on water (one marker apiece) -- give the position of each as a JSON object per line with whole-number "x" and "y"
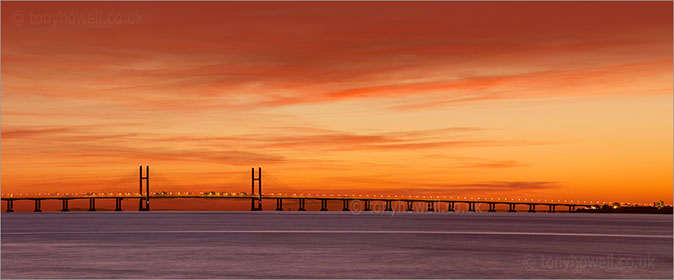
{"x": 335, "y": 245}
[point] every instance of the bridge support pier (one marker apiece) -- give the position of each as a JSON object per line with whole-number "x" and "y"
{"x": 255, "y": 206}
{"x": 10, "y": 205}
{"x": 38, "y": 204}
{"x": 324, "y": 205}
{"x": 532, "y": 208}
{"x": 572, "y": 208}
{"x": 92, "y": 204}
{"x": 410, "y": 207}
{"x": 118, "y": 204}
{"x": 471, "y": 206}
{"x": 511, "y": 208}
{"x": 64, "y": 205}
{"x": 388, "y": 206}
{"x": 551, "y": 208}
{"x": 367, "y": 205}
{"x": 450, "y": 207}
{"x": 345, "y": 205}
{"x": 301, "y": 201}
{"x": 430, "y": 206}
{"x": 492, "y": 207}
{"x": 279, "y": 204}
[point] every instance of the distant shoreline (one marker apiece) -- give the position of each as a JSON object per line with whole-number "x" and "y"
{"x": 629, "y": 210}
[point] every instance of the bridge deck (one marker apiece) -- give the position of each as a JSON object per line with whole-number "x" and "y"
{"x": 271, "y": 197}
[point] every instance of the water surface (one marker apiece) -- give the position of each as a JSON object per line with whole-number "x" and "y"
{"x": 335, "y": 245}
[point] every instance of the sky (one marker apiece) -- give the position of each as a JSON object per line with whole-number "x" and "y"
{"x": 543, "y": 100}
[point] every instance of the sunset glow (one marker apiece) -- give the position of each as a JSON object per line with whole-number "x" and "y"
{"x": 527, "y": 100}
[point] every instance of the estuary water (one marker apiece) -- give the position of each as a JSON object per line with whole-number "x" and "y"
{"x": 335, "y": 245}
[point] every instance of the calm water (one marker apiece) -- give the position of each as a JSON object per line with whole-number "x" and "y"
{"x": 335, "y": 245}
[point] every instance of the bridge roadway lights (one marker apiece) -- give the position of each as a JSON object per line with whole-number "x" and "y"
{"x": 301, "y": 205}
{"x": 492, "y": 207}
{"x": 324, "y": 205}
{"x": 10, "y": 205}
{"x": 345, "y": 205}
{"x": 532, "y": 208}
{"x": 92, "y": 204}
{"x": 430, "y": 206}
{"x": 367, "y": 205}
{"x": 279, "y": 204}
{"x": 388, "y": 206}
{"x": 64, "y": 205}
{"x": 38, "y": 204}
{"x": 450, "y": 207}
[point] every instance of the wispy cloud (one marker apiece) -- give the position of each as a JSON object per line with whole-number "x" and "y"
{"x": 495, "y": 186}
{"x": 492, "y": 164}
{"x": 248, "y": 66}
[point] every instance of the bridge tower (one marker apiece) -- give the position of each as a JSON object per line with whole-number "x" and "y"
{"x": 257, "y": 207}
{"x": 145, "y": 207}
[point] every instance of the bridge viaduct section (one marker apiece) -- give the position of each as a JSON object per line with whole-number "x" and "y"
{"x": 256, "y": 200}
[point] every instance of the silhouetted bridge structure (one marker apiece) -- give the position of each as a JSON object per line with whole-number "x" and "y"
{"x": 362, "y": 202}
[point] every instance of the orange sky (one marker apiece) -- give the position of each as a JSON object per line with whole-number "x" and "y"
{"x": 563, "y": 100}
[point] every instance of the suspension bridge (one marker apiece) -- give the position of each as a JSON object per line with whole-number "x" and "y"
{"x": 349, "y": 202}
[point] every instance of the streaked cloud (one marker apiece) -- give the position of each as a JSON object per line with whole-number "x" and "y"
{"x": 550, "y": 98}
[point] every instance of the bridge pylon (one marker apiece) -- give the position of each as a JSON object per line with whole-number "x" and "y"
{"x": 144, "y": 206}
{"x": 253, "y": 206}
